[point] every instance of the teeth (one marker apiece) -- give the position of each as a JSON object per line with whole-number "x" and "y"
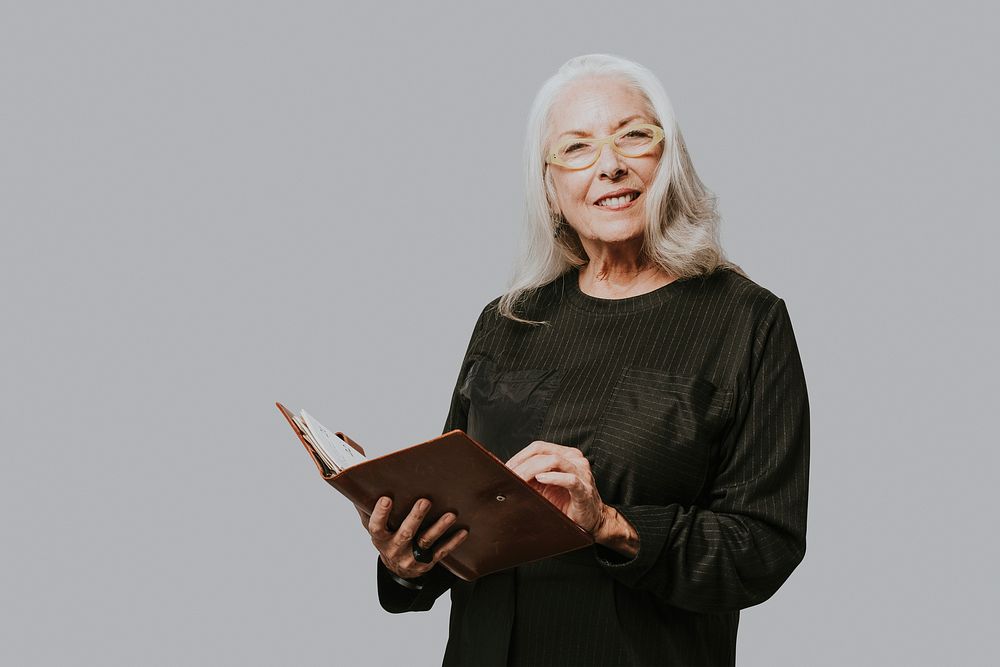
{"x": 615, "y": 202}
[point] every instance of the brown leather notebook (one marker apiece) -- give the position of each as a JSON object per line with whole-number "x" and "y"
{"x": 509, "y": 522}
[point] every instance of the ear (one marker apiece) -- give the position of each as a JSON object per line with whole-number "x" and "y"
{"x": 551, "y": 196}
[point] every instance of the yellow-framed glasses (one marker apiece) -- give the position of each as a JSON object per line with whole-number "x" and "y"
{"x": 631, "y": 141}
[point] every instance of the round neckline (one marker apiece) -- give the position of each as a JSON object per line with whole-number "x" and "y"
{"x": 628, "y": 304}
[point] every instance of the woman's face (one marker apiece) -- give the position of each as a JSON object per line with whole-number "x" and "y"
{"x": 597, "y": 107}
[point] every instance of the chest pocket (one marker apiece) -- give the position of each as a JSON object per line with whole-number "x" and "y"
{"x": 657, "y": 437}
{"x": 507, "y": 408}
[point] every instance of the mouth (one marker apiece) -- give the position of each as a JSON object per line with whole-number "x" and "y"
{"x": 619, "y": 202}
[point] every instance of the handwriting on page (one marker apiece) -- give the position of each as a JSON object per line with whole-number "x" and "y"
{"x": 334, "y": 450}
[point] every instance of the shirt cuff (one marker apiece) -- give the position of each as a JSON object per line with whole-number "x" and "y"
{"x": 652, "y": 524}
{"x": 392, "y": 596}
{"x": 412, "y": 584}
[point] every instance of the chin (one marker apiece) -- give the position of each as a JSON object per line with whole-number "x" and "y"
{"x": 615, "y": 231}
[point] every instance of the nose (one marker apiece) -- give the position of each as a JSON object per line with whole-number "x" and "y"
{"x": 610, "y": 163}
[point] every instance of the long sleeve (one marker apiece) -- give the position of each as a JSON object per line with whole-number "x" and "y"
{"x": 739, "y": 549}
{"x": 393, "y": 597}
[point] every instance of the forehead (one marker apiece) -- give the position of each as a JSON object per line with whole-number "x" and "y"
{"x": 595, "y": 105}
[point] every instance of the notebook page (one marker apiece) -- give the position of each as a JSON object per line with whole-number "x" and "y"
{"x": 341, "y": 454}
{"x": 308, "y": 437}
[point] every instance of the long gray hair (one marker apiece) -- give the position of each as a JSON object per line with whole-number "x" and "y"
{"x": 680, "y": 216}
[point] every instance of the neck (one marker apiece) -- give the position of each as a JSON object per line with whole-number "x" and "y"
{"x": 621, "y": 280}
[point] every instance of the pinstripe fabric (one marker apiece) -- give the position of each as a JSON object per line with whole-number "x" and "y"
{"x": 690, "y": 404}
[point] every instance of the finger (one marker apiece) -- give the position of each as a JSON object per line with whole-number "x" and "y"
{"x": 578, "y": 491}
{"x": 535, "y": 464}
{"x": 409, "y": 567}
{"x": 532, "y": 449}
{"x": 364, "y": 517}
{"x": 542, "y": 447}
{"x": 449, "y": 545}
{"x": 380, "y": 516}
{"x": 427, "y": 538}
{"x": 411, "y": 523}
{"x": 406, "y": 571}
{"x": 542, "y": 462}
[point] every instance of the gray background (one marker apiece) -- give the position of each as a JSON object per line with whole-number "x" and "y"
{"x": 207, "y": 207}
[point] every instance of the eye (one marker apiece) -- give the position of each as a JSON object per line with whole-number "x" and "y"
{"x": 574, "y": 147}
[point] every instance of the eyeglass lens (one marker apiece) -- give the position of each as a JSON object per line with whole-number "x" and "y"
{"x": 632, "y": 143}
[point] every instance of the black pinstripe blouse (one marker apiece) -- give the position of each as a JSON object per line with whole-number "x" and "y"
{"x": 690, "y": 404}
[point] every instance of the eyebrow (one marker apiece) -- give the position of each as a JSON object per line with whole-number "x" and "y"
{"x": 581, "y": 133}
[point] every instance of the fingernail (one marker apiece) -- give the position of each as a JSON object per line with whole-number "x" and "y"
{"x": 384, "y": 502}
{"x": 423, "y": 504}
{"x": 449, "y": 517}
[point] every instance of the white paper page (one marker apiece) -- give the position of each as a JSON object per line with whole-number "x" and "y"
{"x": 323, "y": 456}
{"x": 340, "y": 453}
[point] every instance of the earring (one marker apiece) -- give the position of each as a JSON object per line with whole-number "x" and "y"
{"x": 559, "y": 221}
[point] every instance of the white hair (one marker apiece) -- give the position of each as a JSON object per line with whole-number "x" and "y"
{"x": 680, "y": 217}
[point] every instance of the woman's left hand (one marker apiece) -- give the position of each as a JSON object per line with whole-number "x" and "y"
{"x": 562, "y": 474}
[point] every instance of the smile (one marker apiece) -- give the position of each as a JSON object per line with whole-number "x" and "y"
{"x": 618, "y": 203}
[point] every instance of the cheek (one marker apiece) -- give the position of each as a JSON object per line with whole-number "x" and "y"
{"x": 649, "y": 171}
{"x": 572, "y": 191}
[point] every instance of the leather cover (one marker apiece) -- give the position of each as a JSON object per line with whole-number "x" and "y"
{"x": 509, "y": 522}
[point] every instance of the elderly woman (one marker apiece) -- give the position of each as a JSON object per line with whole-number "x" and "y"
{"x": 642, "y": 383}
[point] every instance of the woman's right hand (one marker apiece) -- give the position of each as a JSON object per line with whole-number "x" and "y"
{"x": 396, "y": 548}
